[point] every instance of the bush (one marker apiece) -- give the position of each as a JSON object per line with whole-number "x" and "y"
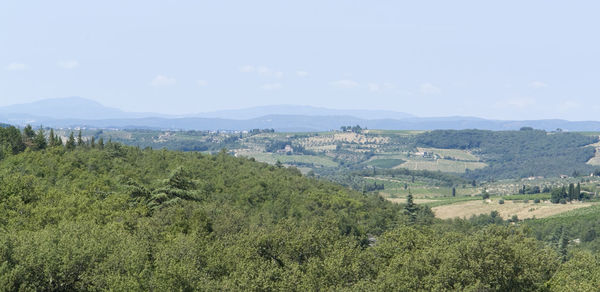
{"x": 526, "y": 201}
{"x": 501, "y": 202}
{"x": 562, "y": 201}
{"x": 536, "y": 201}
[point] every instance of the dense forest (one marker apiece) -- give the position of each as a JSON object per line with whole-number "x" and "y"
{"x": 516, "y": 154}
{"x": 97, "y": 215}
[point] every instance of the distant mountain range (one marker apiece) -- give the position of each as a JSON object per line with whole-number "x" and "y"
{"x": 80, "y": 112}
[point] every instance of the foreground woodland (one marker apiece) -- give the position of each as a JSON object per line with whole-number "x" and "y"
{"x": 96, "y": 215}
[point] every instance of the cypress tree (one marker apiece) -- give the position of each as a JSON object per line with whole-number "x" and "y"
{"x": 80, "y": 139}
{"x": 51, "y": 138}
{"x": 572, "y": 192}
{"x": 58, "y": 141}
{"x": 411, "y": 208}
{"x": 71, "y": 142}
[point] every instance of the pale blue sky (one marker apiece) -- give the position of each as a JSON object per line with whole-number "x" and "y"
{"x": 507, "y": 59}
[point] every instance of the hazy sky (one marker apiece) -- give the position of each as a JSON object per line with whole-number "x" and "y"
{"x": 507, "y": 59}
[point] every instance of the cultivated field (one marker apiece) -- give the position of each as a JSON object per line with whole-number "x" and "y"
{"x": 506, "y": 210}
{"x": 309, "y": 159}
{"x": 442, "y": 165}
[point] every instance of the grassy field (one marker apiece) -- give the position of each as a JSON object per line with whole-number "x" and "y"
{"x": 385, "y": 163}
{"x": 442, "y": 165}
{"x": 272, "y": 158}
{"x": 506, "y": 210}
{"x": 451, "y": 153}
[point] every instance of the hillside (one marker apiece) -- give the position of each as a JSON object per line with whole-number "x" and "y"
{"x": 104, "y": 216}
{"x": 515, "y": 154}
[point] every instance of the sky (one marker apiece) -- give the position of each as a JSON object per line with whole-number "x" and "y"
{"x": 491, "y": 59}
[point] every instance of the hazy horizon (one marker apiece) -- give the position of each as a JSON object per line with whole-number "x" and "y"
{"x": 509, "y": 60}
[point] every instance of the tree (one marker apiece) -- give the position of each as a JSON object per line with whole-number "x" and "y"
{"x": 71, "y": 142}
{"x": 453, "y": 191}
{"x": 578, "y": 193}
{"x": 12, "y": 139}
{"x": 93, "y": 142}
{"x": 571, "y": 194}
{"x": 51, "y": 138}
{"x": 80, "y": 140}
{"x": 411, "y": 208}
{"x": 39, "y": 141}
{"x": 485, "y": 195}
{"x": 101, "y": 143}
{"x": 28, "y": 135}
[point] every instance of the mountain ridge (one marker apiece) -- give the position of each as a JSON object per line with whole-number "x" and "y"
{"x": 80, "y": 112}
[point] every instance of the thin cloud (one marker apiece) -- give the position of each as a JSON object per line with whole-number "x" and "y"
{"x": 202, "y": 83}
{"x": 272, "y": 86}
{"x": 429, "y": 89}
{"x": 345, "y": 84}
{"x": 162, "y": 80}
{"x": 68, "y": 64}
{"x": 538, "y": 84}
{"x": 15, "y": 66}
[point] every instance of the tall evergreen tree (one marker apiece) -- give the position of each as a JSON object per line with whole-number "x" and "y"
{"x": 101, "y": 143}
{"x": 71, "y": 142}
{"x": 93, "y": 142}
{"x": 411, "y": 208}
{"x": 58, "y": 141}
{"x": 571, "y": 193}
{"x": 51, "y": 138}
{"x": 39, "y": 141}
{"x": 578, "y": 193}
{"x": 80, "y": 139}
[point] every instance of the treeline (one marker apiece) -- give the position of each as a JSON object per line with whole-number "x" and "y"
{"x": 14, "y": 141}
{"x": 572, "y": 193}
{"x": 517, "y": 154}
{"x": 129, "y": 219}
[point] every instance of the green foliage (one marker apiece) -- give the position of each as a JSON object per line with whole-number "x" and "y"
{"x": 125, "y": 219}
{"x": 516, "y": 154}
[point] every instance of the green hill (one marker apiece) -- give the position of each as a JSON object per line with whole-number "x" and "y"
{"x": 104, "y": 216}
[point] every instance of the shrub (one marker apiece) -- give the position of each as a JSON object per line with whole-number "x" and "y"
{"x": 501, "y": 202}
{"x": 536, "y": 201}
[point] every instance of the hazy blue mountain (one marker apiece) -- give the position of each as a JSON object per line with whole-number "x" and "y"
{"x": 76, "y": 112}
{"x": 301, "y": 110}
{"x": 67, "y": 108}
